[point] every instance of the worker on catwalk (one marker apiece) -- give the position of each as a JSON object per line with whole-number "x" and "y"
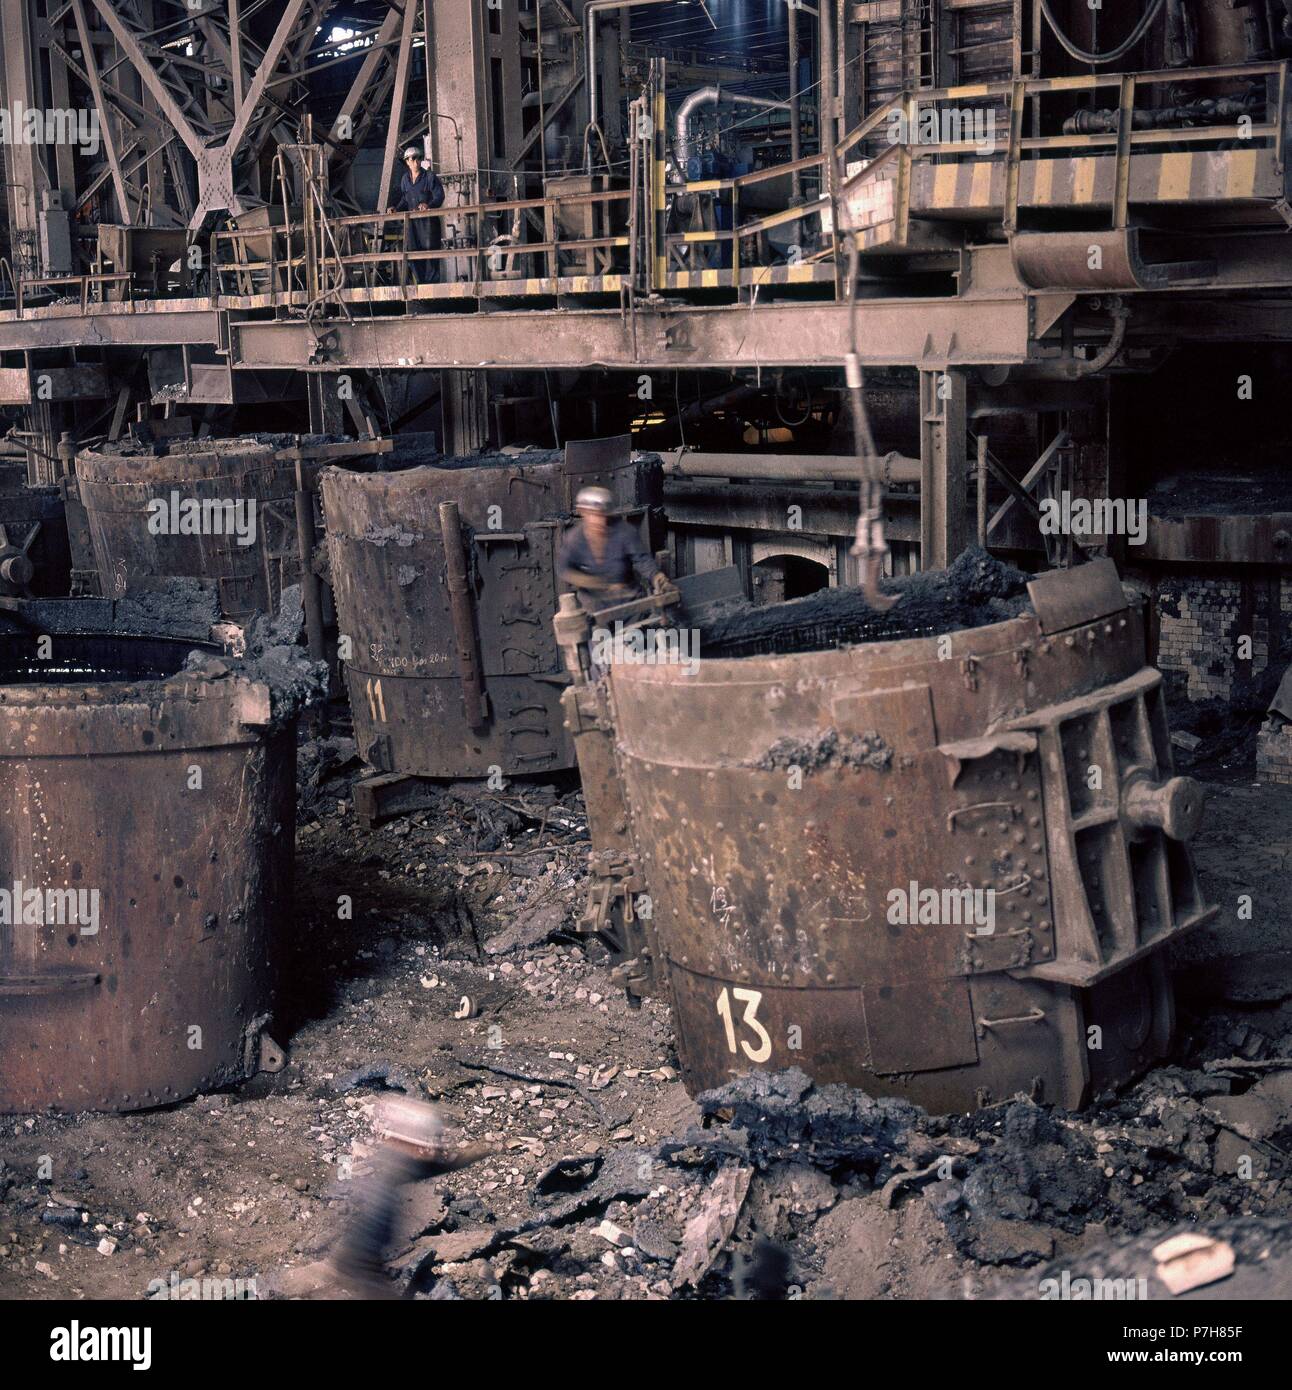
{"x": 420, "y": 190}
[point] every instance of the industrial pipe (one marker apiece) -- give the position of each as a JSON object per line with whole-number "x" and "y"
{"x": 590, "y": 41}
{"x": 1104, "y": 121}
{"x": 703, "y": 409}
{"x": 709, "y": 96}
{"x": 796, "y": 179}
{"x": 820, "y": 468}
{"x": 1081, "y": 55}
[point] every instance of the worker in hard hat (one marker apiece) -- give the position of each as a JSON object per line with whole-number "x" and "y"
{"x": 412, "y": 1146}
{"x": 601, "y": 557}
{"x": 420, "y": 190}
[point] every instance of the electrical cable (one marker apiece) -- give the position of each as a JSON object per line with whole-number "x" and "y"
{"x": 1122, "y": 48}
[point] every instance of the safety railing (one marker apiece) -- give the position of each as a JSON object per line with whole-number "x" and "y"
{"x": 605, "y": 240}
{"x": 89, "y": 288}
{"x": 490, "y": 249}
{"x": 1219, "y": 121}
{"x": 720, "y": 253}
{"x": 713, "y": 254}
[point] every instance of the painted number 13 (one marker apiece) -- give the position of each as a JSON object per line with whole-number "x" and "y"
{"x": 750, "y": 998}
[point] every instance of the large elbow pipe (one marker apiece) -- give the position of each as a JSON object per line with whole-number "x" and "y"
{"x": 702, "y": 96}
{"x": 709, "y": 96}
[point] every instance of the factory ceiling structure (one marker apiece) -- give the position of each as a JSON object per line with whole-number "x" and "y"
{"x": 660, "y": 188}
{"x": 618, "y": 615}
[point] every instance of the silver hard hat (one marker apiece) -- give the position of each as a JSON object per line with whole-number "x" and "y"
{"x": 410, "y": 1122}
{"x": 412, "y": 152}
{"x": 593, "y": 499}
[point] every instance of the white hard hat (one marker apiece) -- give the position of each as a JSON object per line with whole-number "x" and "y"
{"x": 408, "y": 1121}
{"x": 593, "y": 499}
{"x": 412, "y": 152}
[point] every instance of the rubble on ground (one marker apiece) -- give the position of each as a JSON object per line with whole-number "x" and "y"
{"x": 435, "y": 956}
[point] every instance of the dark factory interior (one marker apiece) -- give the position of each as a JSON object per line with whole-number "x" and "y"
{"x": 551, "y": 552}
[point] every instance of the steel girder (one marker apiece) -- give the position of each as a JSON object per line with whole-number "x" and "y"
{"x": 930, "y": 333}
{"x": 157, "y": 82}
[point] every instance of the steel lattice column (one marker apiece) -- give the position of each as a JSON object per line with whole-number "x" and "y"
{"x": 24, "y": 173}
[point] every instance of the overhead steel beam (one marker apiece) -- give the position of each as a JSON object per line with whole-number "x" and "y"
{"x": 130, "y": 326}
{"x": 215, "y": 163}
{"x": 124, "y": 210}
{"x": 359, "y": 92}
{"x": 295, "y": 71}
{"x": 150, "y": 77}
{"x": 235, "y": 57}
{"x": 25, "y": 172}
{"x": 126, "y": 107}
{"x": 700, "y": 506}
{"x": 286, "y": 25}
{"x": 215, "y": 169}
{"x": 397, "y": 104}
{"x": 250, "y": 54}
{"x": 918, "y": 332}
{"x": 553, "y": 110}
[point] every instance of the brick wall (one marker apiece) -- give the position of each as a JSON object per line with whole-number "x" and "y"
{"x": 1201, "y": 619}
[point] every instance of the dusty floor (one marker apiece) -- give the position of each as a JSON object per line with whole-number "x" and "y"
{"x": 452, "y": 911}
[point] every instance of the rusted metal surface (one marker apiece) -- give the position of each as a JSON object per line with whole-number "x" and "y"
{"x": 1220, "y": 539}
{"x": 142, "y": 510}
{"x": 617, "y": 909}
{"x": 34, "y": 553}
{"x": 992, "y": 327}
{"x": 1097, "y": 260}
{"x": 438, "y": 690}
{"x": 462, "y": 616}
{"x": 1026, "y": 761}
{"x": 117, "y": 486}
{"x": 1065, "y": 598}
{"x": 168, "y": 802}
{"x": 610, "y": 908}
